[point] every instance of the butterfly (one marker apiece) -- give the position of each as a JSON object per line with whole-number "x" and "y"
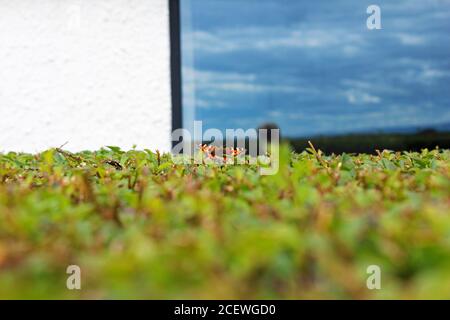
{"x": 209, "y": 150}
{"x": 235, "y": 151}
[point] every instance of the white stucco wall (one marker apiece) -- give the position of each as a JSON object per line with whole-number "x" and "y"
{"x": 90, "y": 72}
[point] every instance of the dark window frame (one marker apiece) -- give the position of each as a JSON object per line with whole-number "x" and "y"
{"x": 175, "y": 64}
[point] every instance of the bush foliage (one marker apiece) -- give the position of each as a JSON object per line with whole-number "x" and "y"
{"x": 140, "y": 226}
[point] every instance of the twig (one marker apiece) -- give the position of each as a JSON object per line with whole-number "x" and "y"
{"x": 68, "y": 155}
{"x": 317, "y": 155}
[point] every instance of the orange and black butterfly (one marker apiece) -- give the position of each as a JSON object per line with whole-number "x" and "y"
{"x": 235, "y": 151}
{"x": 210, "y": 151}
{"x": 203, "y": 147}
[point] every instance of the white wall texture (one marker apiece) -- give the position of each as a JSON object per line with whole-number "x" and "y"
{"x": 90, "y": 72}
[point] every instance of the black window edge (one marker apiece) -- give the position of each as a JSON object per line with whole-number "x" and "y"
{"x": 175, "y": 64}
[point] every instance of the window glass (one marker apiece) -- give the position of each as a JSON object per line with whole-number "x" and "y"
{"x": 314, "y": 67}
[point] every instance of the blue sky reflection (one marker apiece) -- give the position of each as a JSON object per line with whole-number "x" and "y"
{"x": 314, "y": 68}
